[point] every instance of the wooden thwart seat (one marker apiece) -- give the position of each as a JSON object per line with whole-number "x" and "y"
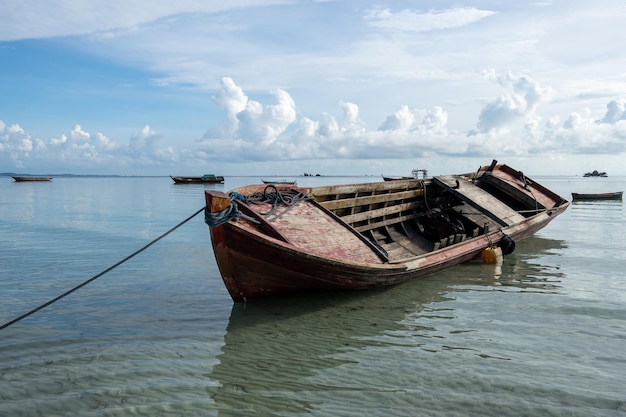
{"x": 475, "y": 196}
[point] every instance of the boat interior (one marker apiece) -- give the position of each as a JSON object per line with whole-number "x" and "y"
{"x": 407, "y": 218}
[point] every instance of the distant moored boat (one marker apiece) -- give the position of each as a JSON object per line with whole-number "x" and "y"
{"x": 31, "y": 179}
{"x": 205, "y": 179}
{"x": 597, "y": 196}
{"x": 595, "y": 173}
{"x": 281, "y": 181}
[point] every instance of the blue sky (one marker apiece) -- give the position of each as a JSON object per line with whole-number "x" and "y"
{"x": 254, "y": 87}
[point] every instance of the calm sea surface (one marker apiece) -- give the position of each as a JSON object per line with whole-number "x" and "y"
{"x": 544, "y": 334}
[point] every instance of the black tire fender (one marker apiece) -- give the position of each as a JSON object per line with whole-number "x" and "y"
{"x": 507, "y": 245}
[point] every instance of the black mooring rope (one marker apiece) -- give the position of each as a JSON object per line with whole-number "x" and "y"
{"x": 33, "y": 311}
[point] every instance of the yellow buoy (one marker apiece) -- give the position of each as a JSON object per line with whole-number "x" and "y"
{"x": 491, "y": 255}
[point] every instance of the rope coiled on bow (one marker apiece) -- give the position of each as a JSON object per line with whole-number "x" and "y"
{"x": 270, "y": 195}
{"x": 277, "y": 198}
{"x": 229, "y": 213}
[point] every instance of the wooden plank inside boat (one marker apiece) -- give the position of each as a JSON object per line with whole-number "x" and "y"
{"x": 330, "y": 192}
{"x": 490, "y": 205}
{"x": 356, "y": 201}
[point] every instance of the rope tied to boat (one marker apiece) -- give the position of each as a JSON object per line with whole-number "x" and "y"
{"x": 276, "y": 198}
{"x": 68, "y": 292}
{"x": 231, "y": 212}
{"x": 270, "y": 195}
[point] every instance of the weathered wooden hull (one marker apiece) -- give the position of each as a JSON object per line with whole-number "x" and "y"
{"x": 253, "y": 266}
{"x": 325, "y": 243}
{"x": 597, "y": 196}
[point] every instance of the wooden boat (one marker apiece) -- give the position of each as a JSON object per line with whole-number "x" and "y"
{"x": 597, "y": 196}
{"x": 281, "y": 181}
{"x": 31, "y": 178}
{"x": 205, "y": 179}
{"x": 272, "y": 239}
{"x": 595, "y": 173}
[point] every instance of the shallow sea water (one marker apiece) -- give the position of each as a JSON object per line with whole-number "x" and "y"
{"x": 543, "y": 334}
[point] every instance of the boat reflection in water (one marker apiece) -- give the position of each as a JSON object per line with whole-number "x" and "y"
{"x": 341, "y": 351}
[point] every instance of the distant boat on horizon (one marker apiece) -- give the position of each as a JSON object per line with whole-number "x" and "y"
{"x": 205, "y": 179}
{"x": 617, "y": 195}
{"x": 279, "y": 181}
{"x": 595, "y": 173}
{"x": 29, "y": 178}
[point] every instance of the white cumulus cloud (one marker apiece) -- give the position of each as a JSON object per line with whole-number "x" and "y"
{"x": 511, "y": 124}
{"x": 521, "y": 99}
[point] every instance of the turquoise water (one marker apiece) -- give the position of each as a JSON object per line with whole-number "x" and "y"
{"x": 544, "y": 334}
